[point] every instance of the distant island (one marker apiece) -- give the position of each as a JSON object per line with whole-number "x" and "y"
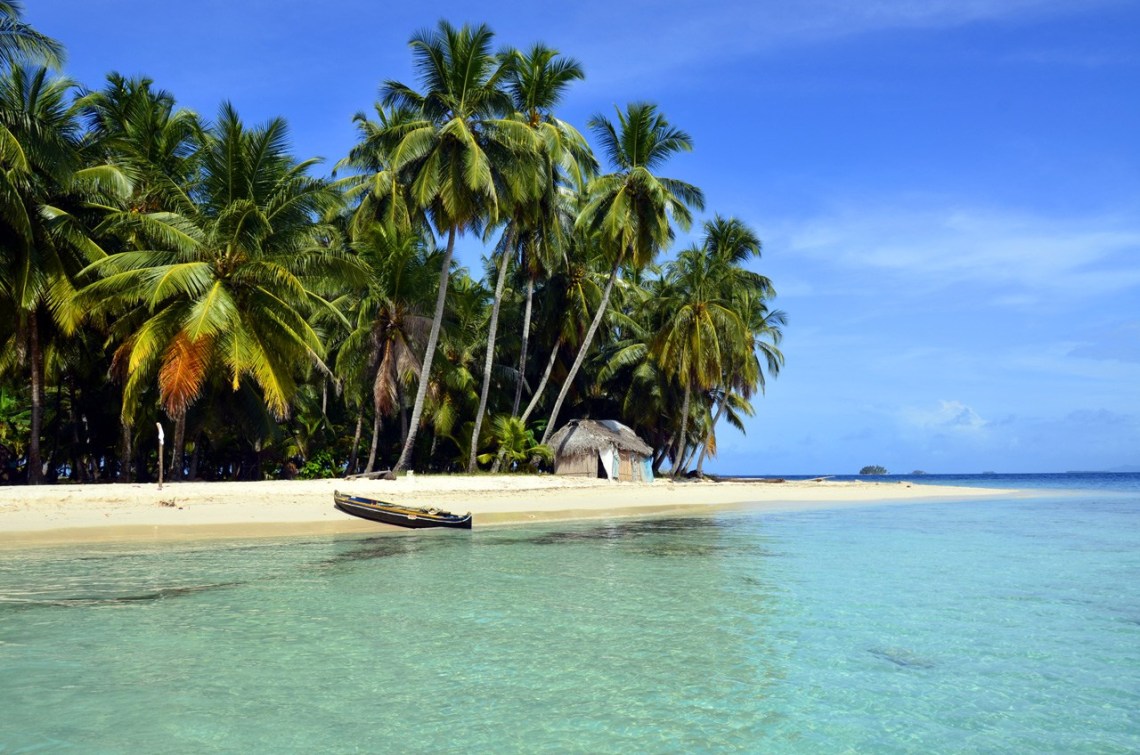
{"x": 873, "y": 469}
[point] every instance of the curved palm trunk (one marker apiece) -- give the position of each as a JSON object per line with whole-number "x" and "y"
{"x": 525, "y": 342}
{"x": 542, "y": 383}
{"x": 35, "y": 460}
{"x": 689, "y": 454}
{"x": 534, "y": 399}
{"x": 594, "y": 325}
{"x": 375, "y": 442}
{"x": 489, "y": 360}
{"x": 678, "y": 465}
{"x": 429, "y": 355}
{"x": 709, "y": 435}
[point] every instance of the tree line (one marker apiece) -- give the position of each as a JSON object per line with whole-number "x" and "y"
{"x": 159, "y": 267}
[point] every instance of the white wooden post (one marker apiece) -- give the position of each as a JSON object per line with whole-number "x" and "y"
{"x": 161, "y": 438}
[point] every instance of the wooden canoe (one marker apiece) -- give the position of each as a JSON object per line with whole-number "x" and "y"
{"x": 401, "y": 516}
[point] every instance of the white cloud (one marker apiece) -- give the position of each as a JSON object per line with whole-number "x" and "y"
{"x": 948, "y": 416}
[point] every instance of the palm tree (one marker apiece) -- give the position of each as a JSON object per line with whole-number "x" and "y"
{"x": 454, "y": 390}
{"x": 44, "y": 189}
{"x": 463, "y": 158}
{"x": 20, "y": 43}
{"x": 568, "y": 301}
{"x": 382, "y": 351}
{"x": 744, "y": 373}
{"x": 516, "y": 445}
{"x": 229, "y": 285}
{"x": 702, "y": 328}
{"x": 731, "y": 243}
{"x": 630, "y": 209}
{"x": 537, "y": 82}
{"x": 538, "y": 85}
{"x": 376, "y": 184}
{"x": 139, "y": 129}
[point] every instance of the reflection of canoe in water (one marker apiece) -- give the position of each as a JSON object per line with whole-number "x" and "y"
{"x": 401, "y": 516}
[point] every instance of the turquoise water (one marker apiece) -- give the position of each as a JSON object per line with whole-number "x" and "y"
{"x": 975, "y": 626}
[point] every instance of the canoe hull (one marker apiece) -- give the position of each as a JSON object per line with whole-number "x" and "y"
{"x": 401, "y": 516}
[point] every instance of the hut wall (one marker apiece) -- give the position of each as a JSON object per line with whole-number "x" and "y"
{"x": 625, "y": 467}
{"x": 634, "y": 468}
{"x": 585, "y": 465}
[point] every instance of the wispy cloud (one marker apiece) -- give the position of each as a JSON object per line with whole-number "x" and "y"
{"x": 1023, "y": 258}
{"x": 1076, "y": 58}
{"x": 1118, "y": 342}
{"x": 673, "y": 37}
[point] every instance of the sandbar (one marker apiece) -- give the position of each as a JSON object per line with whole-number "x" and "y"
{"x": 62, "y": 514}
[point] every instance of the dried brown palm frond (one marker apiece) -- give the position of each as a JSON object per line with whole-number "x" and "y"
{"x": 183, "y": 372}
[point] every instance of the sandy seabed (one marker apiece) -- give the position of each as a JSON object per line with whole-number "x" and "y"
{"x": 57, "y": 514}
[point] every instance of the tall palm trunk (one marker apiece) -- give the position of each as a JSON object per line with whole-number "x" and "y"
{"x": 525, "y": 342}
{"x": 542, "y": 383}
{"x": 709, "y": 435}
{"x": 403, "y": 411}
{"x": 489, "y": 360}
{"x": 78, "y": 463}
{"x": 356, "y": 441}
{"x": 195, "y": 458}
{"x": 429, "y": 355}
{"x": 597, "y": 322}
{"x": 35, "y": 460}
{"x": 677, "y": 465}
{"x": 375, "y": 441}
{"x": 177, "y": 450}
{"x": 124, "y": 451}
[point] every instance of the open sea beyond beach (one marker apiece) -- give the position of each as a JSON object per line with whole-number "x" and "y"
{"x": 991, "y": 625}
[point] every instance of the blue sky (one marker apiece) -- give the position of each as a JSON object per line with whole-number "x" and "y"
{"x": 948, "y": 191}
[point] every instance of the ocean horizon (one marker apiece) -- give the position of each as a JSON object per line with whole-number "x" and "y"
{"x": 996, "y": 625}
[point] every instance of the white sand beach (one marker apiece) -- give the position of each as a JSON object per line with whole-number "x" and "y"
{"x": 187, "y": 510}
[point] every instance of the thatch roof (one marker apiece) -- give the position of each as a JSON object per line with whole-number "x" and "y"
{"x": 579, "y": 437}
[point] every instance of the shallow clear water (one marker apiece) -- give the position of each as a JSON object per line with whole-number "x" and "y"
{"x": 984, "y": 626}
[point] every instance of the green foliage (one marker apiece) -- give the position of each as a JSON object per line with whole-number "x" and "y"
{"x": 320, "y": 466}
{"x": 15, "y": 421}
{"x": 873, "y": 469}
{"x": 21, "y": 43}
{"x": 516, "y": 445}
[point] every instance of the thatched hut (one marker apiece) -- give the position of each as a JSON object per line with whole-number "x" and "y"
{"x": 601, "y": 448}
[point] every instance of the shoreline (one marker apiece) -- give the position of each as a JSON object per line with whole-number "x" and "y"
{"x": 186, "y": 511}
